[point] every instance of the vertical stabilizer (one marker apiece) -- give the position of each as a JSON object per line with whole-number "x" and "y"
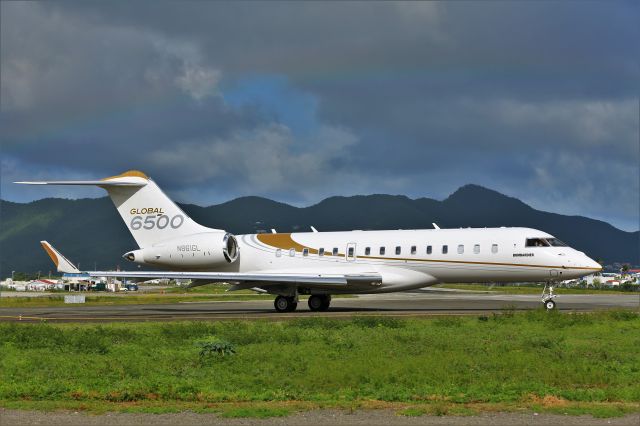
{"x": 149, "y": 214}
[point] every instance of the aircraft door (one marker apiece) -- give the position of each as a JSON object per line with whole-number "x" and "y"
{"x": 351, "y": 252}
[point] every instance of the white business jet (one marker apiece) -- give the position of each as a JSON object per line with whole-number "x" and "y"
{"x": 321, "y": 264}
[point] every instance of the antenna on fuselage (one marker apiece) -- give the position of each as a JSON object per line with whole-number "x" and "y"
{"x": 435, "y": 226}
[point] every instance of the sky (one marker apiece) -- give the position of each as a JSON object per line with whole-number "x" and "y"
{"x": 301, "y": 101}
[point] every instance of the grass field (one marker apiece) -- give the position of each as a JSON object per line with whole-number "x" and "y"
{"x": 573, "y": 363}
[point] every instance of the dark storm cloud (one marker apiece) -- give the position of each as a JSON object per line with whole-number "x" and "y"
{"x": 536, "y": 99}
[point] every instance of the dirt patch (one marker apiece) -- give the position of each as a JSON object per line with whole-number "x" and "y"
{"x": 547, "y": 401}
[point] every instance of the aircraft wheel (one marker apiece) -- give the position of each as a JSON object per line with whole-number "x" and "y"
{"x": 549, "y": 305}
{"x": 319, "y": 302}
{"x": 316, "y": 302}
{"x": 285, "y": 304}
{"x": 326, "y": 302}
{"x": 282, "y": 304}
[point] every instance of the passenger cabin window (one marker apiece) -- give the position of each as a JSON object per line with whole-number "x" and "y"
{"x": 382, "y": 250}
{"x": 476, "y": 248}
{"x": 367, "y": 251}
{"x": 536, "y": 242}
{"x": 305, "y": 252}
{"x": 278, "y": 252}
{"x": 460, "y": 249}
{"x": 350, "y": 252}
{"x": 398, "y": 250}
{"x": 429, "y": 249}
{"x": 321, "y": 251}
{"x": 494, "y": 248}
{"x": 292, "y": 252}
{"x": 445, "y": 249}
{"x": 335, "y": 251}
{"x": 413, "y": 250}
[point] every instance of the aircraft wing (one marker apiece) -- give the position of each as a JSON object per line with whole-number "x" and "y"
{"x": 256, "y": 279}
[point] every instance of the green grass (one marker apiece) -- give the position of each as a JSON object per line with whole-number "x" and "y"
{"x": 510, "y": 289}
{"x": 579, "y": 363}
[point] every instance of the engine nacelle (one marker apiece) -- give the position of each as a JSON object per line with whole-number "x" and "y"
{"x": 208, "y": 250}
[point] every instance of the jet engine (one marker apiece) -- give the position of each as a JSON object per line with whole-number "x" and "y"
{"x": 209, "y": 250}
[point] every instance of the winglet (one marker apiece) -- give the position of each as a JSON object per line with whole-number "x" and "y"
{"x": 314, "y": 229}
{"x": 61, "y": 262}
{"x": 435, "y": 226}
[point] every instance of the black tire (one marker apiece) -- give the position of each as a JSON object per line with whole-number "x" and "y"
{"x": 282, "y": 304}
{"x": 293, "y": 306}
{"x": 549, "y": 305}
{"x": 315, "y": 302}
{"x": 326, "y": 302}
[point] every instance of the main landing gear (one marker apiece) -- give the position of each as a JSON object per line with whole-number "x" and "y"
{"x": 548, "y": 296}
{"x": 286, "y": 303}
{"x": 317, "y": 302}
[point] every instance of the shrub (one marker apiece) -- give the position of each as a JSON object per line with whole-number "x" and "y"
{"x": 215, "y": 348}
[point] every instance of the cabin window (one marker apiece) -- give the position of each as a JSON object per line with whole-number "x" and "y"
{"x": 367, "y": 251}
{"x": 335, "y": 251}
{"x": 350, "y": 252}
{"x": 382, "y": 250}
{"x": 292, "y": 252}
{"x": 460, "y": 248}
{"x": 476, "y": 248}
{"x": 278, "y": 252}
{"x": 536, "y": 242}
{"x": 494, "y": 248}
{"x": 321, "y": 251}
{"x": 445, "y": 249}
{"x": 398, "y": 250}
{"x": 429, "y": 249}
{"x": 305, "y": 252}
{"x": 413, "y": 250}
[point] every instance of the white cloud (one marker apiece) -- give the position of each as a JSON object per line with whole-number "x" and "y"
{"x": 267, "y": 159}
{"x": 593, "y": 122}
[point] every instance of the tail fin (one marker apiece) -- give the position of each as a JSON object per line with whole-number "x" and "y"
{"x": 149, "y": 214}
{"x": 62, "y": 263}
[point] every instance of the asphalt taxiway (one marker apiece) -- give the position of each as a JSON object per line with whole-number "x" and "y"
{"x": 409, "y": 304}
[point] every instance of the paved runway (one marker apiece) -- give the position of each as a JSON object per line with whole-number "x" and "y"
{"x": 419, "y": 303}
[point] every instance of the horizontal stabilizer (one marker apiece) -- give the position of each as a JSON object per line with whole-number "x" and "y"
{"x": 85, "y": 182}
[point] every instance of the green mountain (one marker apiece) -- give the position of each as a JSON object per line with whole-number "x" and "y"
{"x": 90, "y": 230}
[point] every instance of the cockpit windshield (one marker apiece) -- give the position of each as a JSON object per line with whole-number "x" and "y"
{"x": 544, "y": 242}
{"x": 556, "y": 242}
{"x": 536, "y": 242}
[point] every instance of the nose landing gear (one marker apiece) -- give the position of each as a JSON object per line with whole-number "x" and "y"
{"x": 548, "y": 296}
